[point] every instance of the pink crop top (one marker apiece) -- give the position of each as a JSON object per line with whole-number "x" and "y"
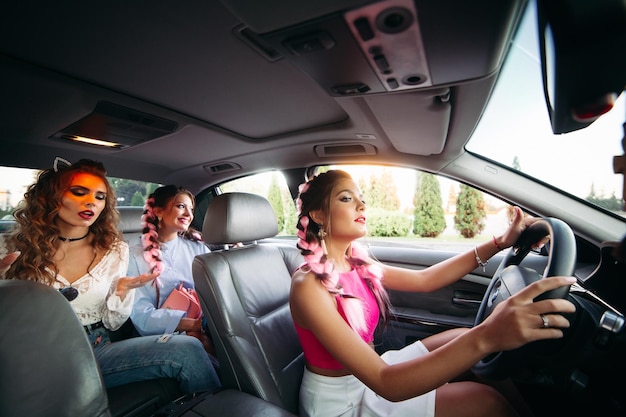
{"x": 316, "y": 354}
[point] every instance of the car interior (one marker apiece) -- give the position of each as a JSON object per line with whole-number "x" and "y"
{"x": 203, "y": 93}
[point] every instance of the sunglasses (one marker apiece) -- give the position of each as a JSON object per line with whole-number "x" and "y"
{"x": 70, "y": 293}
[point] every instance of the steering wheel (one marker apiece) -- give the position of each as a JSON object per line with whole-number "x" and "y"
{"x": 510, "y": 278}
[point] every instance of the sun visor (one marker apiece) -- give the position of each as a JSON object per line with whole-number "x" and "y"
{"x": 415, "y": 122}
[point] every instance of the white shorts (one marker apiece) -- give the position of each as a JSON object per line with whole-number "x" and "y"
{"x": 346, "y": 396}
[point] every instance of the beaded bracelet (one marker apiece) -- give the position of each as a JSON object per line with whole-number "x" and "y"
{"x": 480, "y": 261}
{"x": 495, "y": 242}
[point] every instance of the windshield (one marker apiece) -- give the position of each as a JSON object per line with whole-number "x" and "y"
{"x": 579, "y": 163}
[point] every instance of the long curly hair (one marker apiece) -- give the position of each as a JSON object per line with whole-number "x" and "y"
{"x": 161, "y": 197}
{"x": 315, "y": 195}
{"x": 36, "y": 234}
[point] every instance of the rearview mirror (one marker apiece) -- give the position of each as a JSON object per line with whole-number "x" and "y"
{"x": 583, "y": 59}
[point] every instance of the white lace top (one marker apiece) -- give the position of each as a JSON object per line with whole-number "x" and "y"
{"x": 96, "y": 300}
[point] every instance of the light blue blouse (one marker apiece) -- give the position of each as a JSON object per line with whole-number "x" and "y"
{"x": 178, "y": 255}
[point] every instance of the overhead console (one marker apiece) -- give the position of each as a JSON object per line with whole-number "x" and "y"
{"x": 353, "y": 48}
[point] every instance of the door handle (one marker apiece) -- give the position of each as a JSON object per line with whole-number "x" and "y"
{"x": 466, "y": 299}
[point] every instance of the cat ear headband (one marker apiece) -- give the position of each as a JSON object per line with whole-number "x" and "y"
{"x": 58, "y": 159}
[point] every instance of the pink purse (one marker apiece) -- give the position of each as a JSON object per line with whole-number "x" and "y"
{"x": 184, "y": 299}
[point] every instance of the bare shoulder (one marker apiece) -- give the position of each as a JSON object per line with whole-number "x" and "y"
{"x": 306, "y": 287}
{"x": 299, "y": 276}
{"x": 309, "y": 299}
{"x": 303, "y": 280}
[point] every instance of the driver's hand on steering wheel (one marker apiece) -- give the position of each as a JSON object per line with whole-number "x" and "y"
{"x": 517, "y": 226}
{"x": 519, "y": 320}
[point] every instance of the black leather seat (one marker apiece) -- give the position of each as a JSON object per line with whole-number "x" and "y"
{"x": 244, "y": 292}
{"x": 130, "y": 222}
{"x": 47, "y": 367}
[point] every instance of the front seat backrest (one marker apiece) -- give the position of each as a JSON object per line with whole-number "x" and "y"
{"x": 47, "y": 367}
{"x": 244, "y": 292}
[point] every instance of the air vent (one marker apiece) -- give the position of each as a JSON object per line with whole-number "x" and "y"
{"x": 346, "y": 149}
{"x": 221, "y": 167}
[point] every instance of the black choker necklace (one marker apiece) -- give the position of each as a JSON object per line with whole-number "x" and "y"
{"x": 72, "y": 239}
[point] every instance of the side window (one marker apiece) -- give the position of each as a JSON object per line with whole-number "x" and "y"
{"x": 131, "y": 192}
{"x": 271, "y": 185}
{"x": 203, "y": 199}
{"x": 14, "y": 181}
{"x": 412, "y": 207}
{"x": 404, "y": 206}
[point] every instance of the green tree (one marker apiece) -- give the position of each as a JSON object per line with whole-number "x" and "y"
{"x": 611, "y": 203}
{"x": 381, "y": 191}
{"x": 290, "y": 216}
{"x": 7, "y": 212}
{"x": 376, "y": 192}
{"x": 470, "y": 212}
{"x": 275, "y": 198}
{"x": 385, "y": 223}
{"x": 429, "y": 219}
{"x": 138, "y": 199}
{"x": 388, "y": 189}
{"x": 366, "y": 189}
{"x": 126, "y": 189}
{"x": 150, "y": 187}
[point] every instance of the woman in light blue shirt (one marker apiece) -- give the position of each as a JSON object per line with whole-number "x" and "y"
{"x": 168, "y": 245}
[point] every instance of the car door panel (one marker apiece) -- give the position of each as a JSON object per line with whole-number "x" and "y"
{"x": 418, "y": 315}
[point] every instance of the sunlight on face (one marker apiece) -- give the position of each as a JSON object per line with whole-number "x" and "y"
{"x": 83, "y": 201}
{"x": 347, "y": 211}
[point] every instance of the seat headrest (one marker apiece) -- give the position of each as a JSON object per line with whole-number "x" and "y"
{"x": 65, "y": 381}
{"x": 130, "y": 219}
{"x": 238, "y": 217}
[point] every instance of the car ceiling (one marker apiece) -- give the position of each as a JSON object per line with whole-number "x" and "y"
{"x": 233, "y": 94}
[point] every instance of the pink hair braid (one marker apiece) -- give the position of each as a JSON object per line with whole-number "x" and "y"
{"x": 149, "y": 239}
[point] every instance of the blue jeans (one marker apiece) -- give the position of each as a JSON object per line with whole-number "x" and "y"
{"x": 181, "y": 357}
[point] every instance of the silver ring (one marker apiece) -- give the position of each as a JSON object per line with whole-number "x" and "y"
{"x": 544, "y": 319}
